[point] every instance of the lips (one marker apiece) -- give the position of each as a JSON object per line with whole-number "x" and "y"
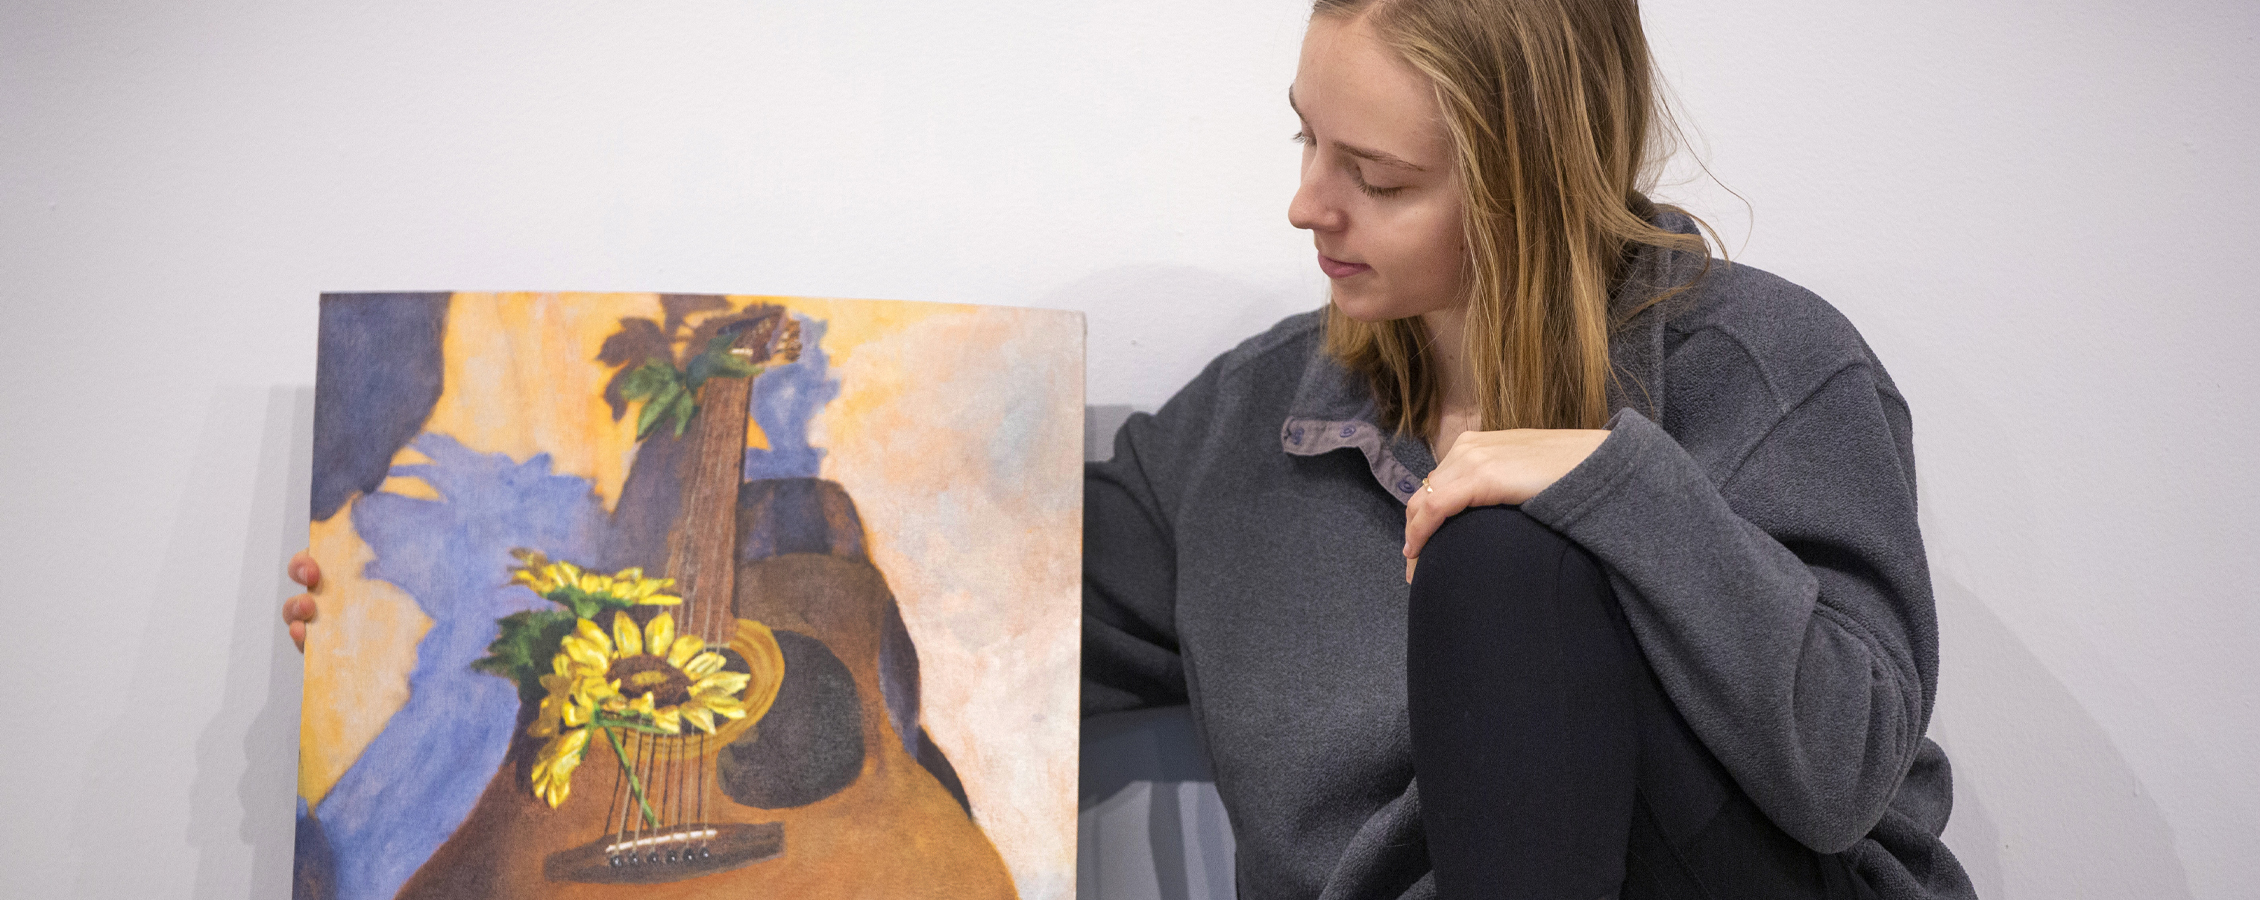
{"x": 1335, "y": 268}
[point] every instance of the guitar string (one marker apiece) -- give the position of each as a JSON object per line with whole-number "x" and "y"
{"x": 700, "y": 795}
{"x": 627, "y": 805}
{"x": 735, "y": 471}
{"x": 657, "y": 787}
{"x": 619, "y": 787}
{"x": 658, "y": 770}
{"x": 732, "y": 470}
{"x": 655, "y": 754}
{"x": 675, "y": 792}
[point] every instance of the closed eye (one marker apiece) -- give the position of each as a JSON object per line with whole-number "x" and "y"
{"x": 1368, "y": 188}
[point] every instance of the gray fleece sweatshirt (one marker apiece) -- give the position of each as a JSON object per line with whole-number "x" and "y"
{"x": 1754, "y": 504}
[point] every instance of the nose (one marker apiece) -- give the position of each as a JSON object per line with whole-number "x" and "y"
{"x": 1311, "y": 209}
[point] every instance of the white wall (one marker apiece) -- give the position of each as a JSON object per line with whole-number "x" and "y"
{"x": 2037, "y": 212}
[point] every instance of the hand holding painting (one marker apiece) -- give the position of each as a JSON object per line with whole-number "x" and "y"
{"x": 298, "y": 611}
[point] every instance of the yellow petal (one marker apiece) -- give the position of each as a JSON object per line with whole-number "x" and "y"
{"x": 699, "y": 716}
{"x": 598, "y": 686}
{"x": 587, "y": 631}
{"x": 685, "y": 647}
{"x": 583, "y": 653}
{"x": 704, "y": 664}
{"x": 575, "y": 715}
{"x": 554, "y": 765}
{"x": 625, "y": 635}
{"x": 659, "y": 633}
{"x": 669, "y": 720}
{"x": 643, "y": 704}
{"x": 723, "y": 682}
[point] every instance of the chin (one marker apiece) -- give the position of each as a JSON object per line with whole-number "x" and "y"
{"x": 1361, "y": 306}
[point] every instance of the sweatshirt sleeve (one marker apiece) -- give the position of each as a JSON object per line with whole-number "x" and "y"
{"x": 1130, "y": 649}
{"x": 1781, "y": 596}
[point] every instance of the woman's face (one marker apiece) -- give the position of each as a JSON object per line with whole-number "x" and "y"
{"x": 1379, "y": 192}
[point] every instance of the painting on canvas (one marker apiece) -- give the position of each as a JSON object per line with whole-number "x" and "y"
{"x": 651, "y": 595}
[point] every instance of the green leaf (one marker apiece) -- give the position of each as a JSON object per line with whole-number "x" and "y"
{"x": 523, "y": 648}
{"x": 718, "y": 362}
{"x": 649, "y": 379}
{"x": 657, "y": 406}
{"x": 586, "y": 605}
{"x": 731, "y": 365}
{"x": 575, "y": 601}
{"x": 683, "y": 408}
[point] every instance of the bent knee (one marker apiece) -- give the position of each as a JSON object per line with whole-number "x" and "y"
{"x": 1504, "y": 545}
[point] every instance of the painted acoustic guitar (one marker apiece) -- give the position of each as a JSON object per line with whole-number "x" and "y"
{"x": 816, "y": 780}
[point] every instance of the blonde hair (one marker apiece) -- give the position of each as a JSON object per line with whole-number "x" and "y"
{"x": 1553, "y": 113}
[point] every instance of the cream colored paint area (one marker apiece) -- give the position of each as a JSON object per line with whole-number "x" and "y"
{"x": 969, "y": 487}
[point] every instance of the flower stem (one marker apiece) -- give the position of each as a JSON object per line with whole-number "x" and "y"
{"x": 633, "y": 784}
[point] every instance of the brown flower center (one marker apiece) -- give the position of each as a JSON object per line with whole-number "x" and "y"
{"x": 638, "y": 674}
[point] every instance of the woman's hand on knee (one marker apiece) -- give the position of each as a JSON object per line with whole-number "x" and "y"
{"x": 298, "y": 611}
{"x": 1492, "y": 468}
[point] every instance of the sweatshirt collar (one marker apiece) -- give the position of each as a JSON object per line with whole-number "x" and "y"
{"x": 1333, "y": 409}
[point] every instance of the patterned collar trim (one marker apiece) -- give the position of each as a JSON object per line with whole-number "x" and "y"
{"x": 1333, "y": 410}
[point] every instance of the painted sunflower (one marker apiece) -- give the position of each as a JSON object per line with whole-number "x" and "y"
{"x": 648, "y": 679}
{"x": 557, "y": 581}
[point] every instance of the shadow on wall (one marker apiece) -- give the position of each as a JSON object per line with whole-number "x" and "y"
{"x": 2044, "y": 805}
{"x": 1153, "y": 327}
{"x": 240, "y": 783}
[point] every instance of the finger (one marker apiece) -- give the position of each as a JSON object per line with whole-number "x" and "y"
{"x": 1409, "y": 564}
{"x": 299, "y": 609}
{"x": 1416, "y": 511}
{"x": 1444, "y": 502}
{"x": 304, "y": 570}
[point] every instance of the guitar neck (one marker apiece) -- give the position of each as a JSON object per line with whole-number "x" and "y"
{"x": 703, "y": 549}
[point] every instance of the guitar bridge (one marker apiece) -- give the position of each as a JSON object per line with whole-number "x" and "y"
{"x": 673, "y": 854}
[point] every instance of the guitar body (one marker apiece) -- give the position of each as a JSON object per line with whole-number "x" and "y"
{"x": 893, "y": 832}
{"x": 829, "y": 788}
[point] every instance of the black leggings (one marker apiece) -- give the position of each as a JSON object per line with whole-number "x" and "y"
{"x": 1551, "y": 764}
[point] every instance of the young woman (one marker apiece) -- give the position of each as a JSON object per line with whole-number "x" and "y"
{"x": 1671, "y": 632}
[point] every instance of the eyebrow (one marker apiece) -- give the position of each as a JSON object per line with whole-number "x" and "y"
{"x": 1365, "y": 153}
